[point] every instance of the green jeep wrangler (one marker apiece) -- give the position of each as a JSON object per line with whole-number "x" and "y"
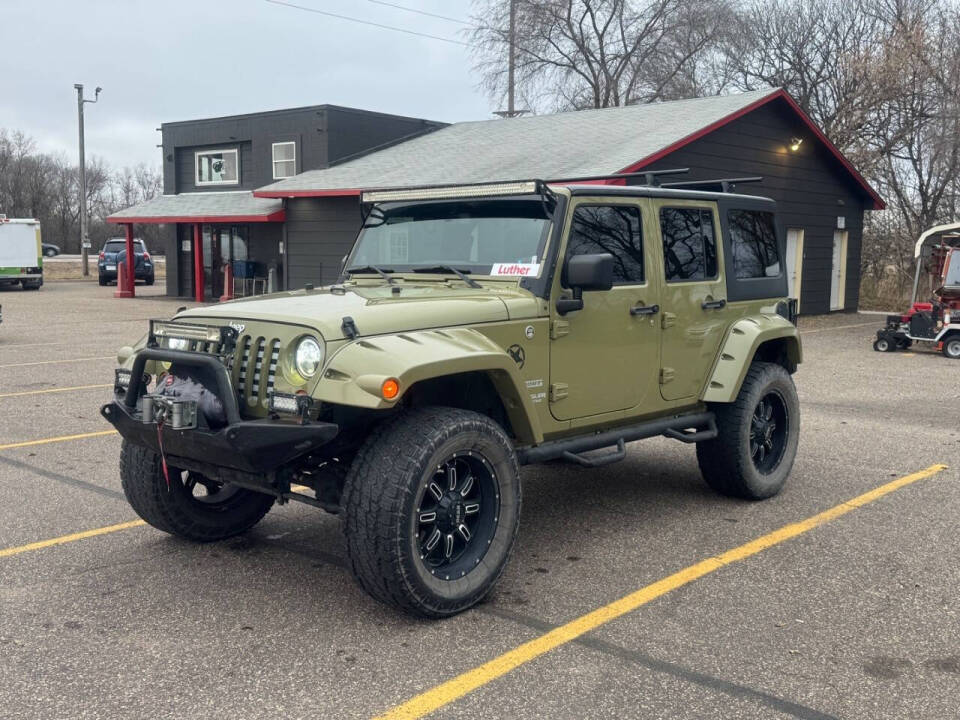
{"x": 474, "y": 329}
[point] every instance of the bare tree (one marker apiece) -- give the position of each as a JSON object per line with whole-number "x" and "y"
{"x": 575, "y": 54}
{"x": 44, "y": 186}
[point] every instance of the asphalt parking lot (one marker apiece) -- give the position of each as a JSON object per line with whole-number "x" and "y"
{"x": 854, "y": 615}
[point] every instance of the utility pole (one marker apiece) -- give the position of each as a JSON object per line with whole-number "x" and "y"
{"x": 84, "y": 240}
{"x": 511, "y": 110}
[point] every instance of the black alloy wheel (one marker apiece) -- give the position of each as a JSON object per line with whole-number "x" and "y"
{"x": 769, "y": 428}
{"x": 457, "y": 515}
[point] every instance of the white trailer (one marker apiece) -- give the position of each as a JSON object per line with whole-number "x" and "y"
{"x": 21, "y": 253}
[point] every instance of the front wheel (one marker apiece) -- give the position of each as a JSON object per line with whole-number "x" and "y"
{"x": 431, "y": 508}
{"x": 189, "y": 505}
{"x": 951, "y": 347}
{"x": 758, "y": 434}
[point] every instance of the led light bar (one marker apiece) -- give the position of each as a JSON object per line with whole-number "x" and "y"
{"x": 290, "y": 404}
{"x": 452, "y": 192}
{"x": 121, "y": 380}
{"x": 202, "y": 333}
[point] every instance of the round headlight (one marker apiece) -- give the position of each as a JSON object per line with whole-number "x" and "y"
{"x": 309, "y": 357}
{"x": 178, "y": 343}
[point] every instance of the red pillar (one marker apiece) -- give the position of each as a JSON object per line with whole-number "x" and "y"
{"x": 197, "y": 264}
{"x": 126, "y": 288}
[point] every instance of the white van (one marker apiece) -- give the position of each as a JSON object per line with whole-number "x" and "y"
{"x": 21, "y": 253}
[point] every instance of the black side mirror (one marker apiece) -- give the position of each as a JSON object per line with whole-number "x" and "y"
{"x": 586, "y": 272}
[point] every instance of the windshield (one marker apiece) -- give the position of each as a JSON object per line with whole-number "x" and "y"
{"x": 487, "y": 237}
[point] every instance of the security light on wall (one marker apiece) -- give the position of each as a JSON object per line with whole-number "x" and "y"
{"x": 795, "y": 144}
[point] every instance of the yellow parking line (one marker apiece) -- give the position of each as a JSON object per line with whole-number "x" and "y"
{"x": 7, "y": 552}
{"x": 62, "y": 438}
{"x": 55, "y": 362}
{"x": 446, "y": 693}
{"x": 53, "y": 390}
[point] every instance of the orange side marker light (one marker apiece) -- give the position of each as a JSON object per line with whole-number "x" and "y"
{"x": 390, "y": 389}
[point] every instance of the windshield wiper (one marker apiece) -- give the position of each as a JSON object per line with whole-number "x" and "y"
{"x": 462, "y": 274}
{"x": 367, "y": 269}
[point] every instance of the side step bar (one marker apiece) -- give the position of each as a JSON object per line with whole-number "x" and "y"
{"x": 686, "y": 428}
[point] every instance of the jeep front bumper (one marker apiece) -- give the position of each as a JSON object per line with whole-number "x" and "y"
{"x": 250, "y": 446}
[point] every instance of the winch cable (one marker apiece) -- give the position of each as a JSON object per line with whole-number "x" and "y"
{"x": 163, "y": 455}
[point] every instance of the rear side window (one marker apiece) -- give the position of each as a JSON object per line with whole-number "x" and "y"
{"x": 689, "y": 244}
{"x": 753, "y": 243}
{"x": 613, "y": 229}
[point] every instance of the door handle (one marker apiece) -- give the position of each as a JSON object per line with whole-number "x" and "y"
{"x": 713, "y": 304}
{"x": 644, "y": 309}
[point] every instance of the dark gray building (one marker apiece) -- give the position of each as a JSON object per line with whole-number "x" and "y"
{"x": 211, "y": 166}
{"x": 821, "y": 196}
{"x": 222, "y": 179}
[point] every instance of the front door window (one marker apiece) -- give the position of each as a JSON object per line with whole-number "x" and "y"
{"x": 605, "y": 333}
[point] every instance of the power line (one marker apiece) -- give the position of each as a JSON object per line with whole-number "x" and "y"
{"x": 420, "y": 12}
{"x": 367, "y": 22}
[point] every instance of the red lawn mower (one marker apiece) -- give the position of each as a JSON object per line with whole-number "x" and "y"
{"x": 938, "y": 277}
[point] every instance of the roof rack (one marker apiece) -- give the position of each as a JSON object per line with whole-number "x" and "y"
{"x": 507, "y": 187}
{"x": 650, "y": 177}
{"x": 722, "y": 184}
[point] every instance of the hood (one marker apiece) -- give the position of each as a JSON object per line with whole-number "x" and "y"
{"x": 377, "y": 309}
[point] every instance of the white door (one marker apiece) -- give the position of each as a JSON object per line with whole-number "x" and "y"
{"x": 794, "y": 261}
{"x": 838, "y": 276}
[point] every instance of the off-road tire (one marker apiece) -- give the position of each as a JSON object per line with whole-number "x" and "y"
{"x": 389, "y": 474}
{"x": 884, "y": 344}
{"x": 174, "y": 510}
{"x": 951, "y": 347}
{"x": 726, "y": 462}
{"x": 103, "y": 281}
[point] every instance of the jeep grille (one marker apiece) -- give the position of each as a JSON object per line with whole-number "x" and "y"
{"x": 254, "y": 369}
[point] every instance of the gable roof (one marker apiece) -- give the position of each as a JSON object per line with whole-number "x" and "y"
{"x": 570, "y": 144}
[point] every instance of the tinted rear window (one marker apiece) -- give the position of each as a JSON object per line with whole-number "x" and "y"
{"x": 118, "y": 245}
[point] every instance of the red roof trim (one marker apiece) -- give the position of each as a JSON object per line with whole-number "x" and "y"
{"x": 339, "y": 192}
{"x": 278, "y": 216}
{"x": 878, "y": 203}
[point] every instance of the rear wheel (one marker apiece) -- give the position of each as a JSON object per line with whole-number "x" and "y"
{"x": 951, "y": 347}
{"x": 192, "y": 505}
{"x": 431, "y": 508}
{"x": 758, "y": 434}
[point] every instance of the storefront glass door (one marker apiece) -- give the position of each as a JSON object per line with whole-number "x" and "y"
{"x": 222, "y": 244}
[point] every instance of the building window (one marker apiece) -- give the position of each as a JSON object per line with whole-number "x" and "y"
{"x": 689, "y": 245}
{"x": 217, "y": 167}
{"x": 614, "y": 229}
{"x": 284, "y": 160}
{"x": 754, "y": 244}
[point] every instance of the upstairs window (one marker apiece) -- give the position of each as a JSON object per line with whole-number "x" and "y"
{"x": 689, "y": 244}
{"x": 613, "y": 229}
{"x": 217, "y": 167}
{"x": 753, "y": 241}
{"x": 284, "y": 160}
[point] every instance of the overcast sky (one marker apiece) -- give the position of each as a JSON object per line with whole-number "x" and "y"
{"x": 170, "y": 60}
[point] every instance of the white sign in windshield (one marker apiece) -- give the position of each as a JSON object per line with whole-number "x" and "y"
{"x": 516, "y": 269}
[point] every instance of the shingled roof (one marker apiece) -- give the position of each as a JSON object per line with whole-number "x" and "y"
{"x": 203, "y": 207}
{"x": 570, "y": 144}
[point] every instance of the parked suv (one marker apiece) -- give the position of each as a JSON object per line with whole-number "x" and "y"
{"x": 114, "y": 252}
{"x": 475, "y": 330}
